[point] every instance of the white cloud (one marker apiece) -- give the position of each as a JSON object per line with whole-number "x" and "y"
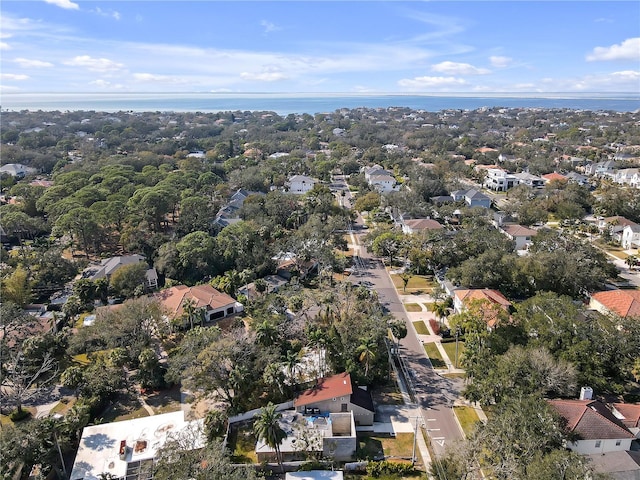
{"x": 419, "y": 83}
{"x": 13, "y": 76}
{"x": 263, "y": 77}
{"x": 627, "y": 50}
{"x": 4, "y": 46}
{"x": 94, "y": 64}
{"x": 269, "y": 26}
{"x": 155, "y": 78}
{"x": 499, "y": 61}
{"x": 26, "y": 63}
{"x": 454, "y": 68}
{"x": 625, "y": 80}
{"x": 66, "y": 4}
{"x": 9, "y": 88}
{"x": 107, "y": 13}
{"x": 104, "y": 84}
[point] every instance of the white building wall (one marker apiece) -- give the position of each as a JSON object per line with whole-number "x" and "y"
{"x": 588, "y": 447}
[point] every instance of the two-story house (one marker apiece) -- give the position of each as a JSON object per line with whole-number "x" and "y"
{"x": 300, "y": 184}
{"x": 323, "y": 421}
{"x": 500, "y": 180}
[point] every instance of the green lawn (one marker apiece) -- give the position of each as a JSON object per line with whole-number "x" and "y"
{"x": 434, "y": 355}
{"x": 450, "y": 348}
{"x": 467, "y": 417}
{"x": 371, "y": 446}
{"x": 412, "y": 307}
{"x": 421, "y": 328}
{"x": 243, "y": 442}
{"x": 417, "y": 284}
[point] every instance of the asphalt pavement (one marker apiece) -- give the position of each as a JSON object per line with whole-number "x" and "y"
{"x": 435, "y": 394}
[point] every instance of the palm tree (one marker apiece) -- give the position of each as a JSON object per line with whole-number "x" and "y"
{"x": 440, "y": 309}
{"x": 317, "y": 339}
{"x": 367, "y": 353}
{"x": 292, "y": 363}
{"x": 189, "y": 311}
{"x": 229, "y": 282}
{"x": 267, "y": 427}
{"x": 266, "y": 333}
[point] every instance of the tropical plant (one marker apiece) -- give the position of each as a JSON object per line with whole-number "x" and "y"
{"x": 367, "y": 353}
{"x": 267, "y": 427}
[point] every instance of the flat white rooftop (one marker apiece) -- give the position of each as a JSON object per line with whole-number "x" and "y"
{"x": 118, "y": 448}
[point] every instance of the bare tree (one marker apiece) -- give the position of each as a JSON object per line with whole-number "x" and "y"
{"x": 24, "y": 378}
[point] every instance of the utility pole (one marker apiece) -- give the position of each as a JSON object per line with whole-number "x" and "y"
{"x": 457, "y": 333}
{"x": 415, "y": 439}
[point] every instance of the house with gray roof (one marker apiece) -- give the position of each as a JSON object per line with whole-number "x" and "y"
{"x": 17, "y": 170}
{"x": 107, "y": 267}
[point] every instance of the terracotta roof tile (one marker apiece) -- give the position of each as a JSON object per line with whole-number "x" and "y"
{"x": 519, "y": 231}
{"x": 625, "y": 303}
{"x": 590, "y": 419}
{"x": 630, "y": 412}
{"x": 423, "y": 224}
{"x": 174, "y": 298}
{"x": 496, "y": 299}
{"x": 326, "y": 388}
{"x": 554, "y": 176}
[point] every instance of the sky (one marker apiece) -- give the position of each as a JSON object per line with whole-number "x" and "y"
{"x": 145, "y": 46}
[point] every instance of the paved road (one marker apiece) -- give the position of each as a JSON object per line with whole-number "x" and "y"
{"x": 435, "y": 394}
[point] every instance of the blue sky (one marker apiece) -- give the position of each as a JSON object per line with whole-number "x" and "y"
{"x": 323, "y": 46}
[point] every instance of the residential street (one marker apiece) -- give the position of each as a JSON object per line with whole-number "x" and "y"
{"x": 435, "y": 394}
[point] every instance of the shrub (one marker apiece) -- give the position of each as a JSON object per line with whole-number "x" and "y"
{"x": 376, "y": 469}
{"x": 18, "y": 415}
{"x": 435, "y": 326}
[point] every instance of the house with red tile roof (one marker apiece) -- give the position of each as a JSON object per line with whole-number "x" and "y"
{"x": 596, "y": 428}
{"x": 214, "y": 304}
{"x": 494, "y": 302}
{"x": 519, "y": 234}
{"x": 337, "y": 394}
{"x": 550, "y": 177}
{"x": 629, "y": 414}
{"x": 415, "y": 225}
{"x": 624, "y": 303}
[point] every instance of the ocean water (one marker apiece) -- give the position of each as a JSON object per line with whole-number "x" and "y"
{"x": 284, "y": 104}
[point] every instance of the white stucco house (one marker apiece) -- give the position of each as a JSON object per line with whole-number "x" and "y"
{"x": 383, "y": 183}
{"x": 300, "y": 184}
{"x": 596, "y": 428}
{"x": 523, "y": 236}
{"x": 500, "y": 180}
{"x": 127, "y": 449}
{"x": 631, "y": 236}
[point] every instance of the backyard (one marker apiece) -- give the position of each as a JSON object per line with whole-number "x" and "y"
{"x": 373, "y": 447}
